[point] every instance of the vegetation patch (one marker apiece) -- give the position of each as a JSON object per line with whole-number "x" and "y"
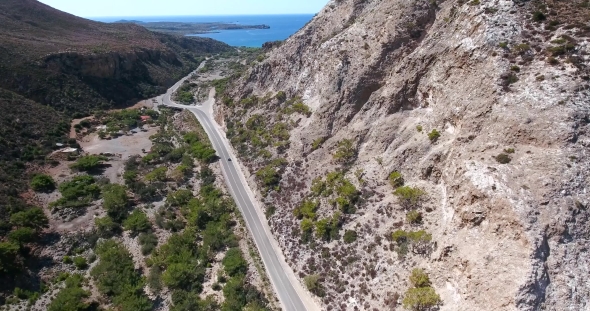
{"x": 78, "y": 192}
{"x": 418, "y": 242}
{"x": 421, "y": 296}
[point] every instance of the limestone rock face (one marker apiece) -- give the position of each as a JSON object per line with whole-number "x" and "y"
{"x": 501, "y": 81}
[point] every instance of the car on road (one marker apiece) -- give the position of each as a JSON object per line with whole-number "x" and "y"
{"x": 228, "y": 159}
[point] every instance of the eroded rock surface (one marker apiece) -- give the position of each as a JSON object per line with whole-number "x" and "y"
{"x": 500, "y": 83}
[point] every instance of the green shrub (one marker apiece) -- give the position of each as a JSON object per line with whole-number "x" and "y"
{"x": 106, "y": 227}
{"x": 434, "y": 135}
{"x": 522, "y": 48}
{"x": 180, "y": 197}
{"x": 539, "y": 16}
{"x": 88, "y": 163}
{"x": 317, "y": 143}
{"x": 503, "y": 158}
{"x": 42, "y": 183}
{"x": 22, "y": 235}
{"x": 234, "y": 263}
{"x": 158, "y": 174}
{"x": 409, "y": 196}
{"x": 137, "y": 222}
{"x": 148, "y": 242}
{"x": 313, "y": 284}
{"x": 154, "y": 279}
{"x": 306, "y": 229}
{"x": 414, "y": 217}
{"x": 421, "y": 299}
{"x": 307, "y": 209}
{"x": 301, "y": 108}
{"x": 396, "y": 179}
{"x": 421, "y": 296}
{"x": 509, "y": 150}
{"x": 116, "y": 277}
{"x": 419, "y": 128}
{"x": 31, "y": 218}
{"x": 67, "y": 260}
{"x": 78, "y": 192}
{"x": 80, "y": 262}
{"x": 350, "y": 236}
{"x": 281, "y": 96}
{"x": 72, "y": 297}
{"x": 346, "y": 152}
{"x": 418, "y": 241}
{"x": 9, "y": 252}
{"x": 115, "y": 201}
{"x": 419, "y": 278}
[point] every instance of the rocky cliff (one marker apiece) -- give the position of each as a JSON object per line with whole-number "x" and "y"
{"x": 481, "y": 106}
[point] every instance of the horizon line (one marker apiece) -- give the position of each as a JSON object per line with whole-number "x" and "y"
{"x": 203, "y": 15}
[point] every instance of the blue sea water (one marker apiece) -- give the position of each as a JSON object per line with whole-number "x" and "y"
{"x": 281, "y": 26}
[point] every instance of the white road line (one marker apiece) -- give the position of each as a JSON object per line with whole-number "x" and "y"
{"x": 223, "y": 151}
{"x": 288, "y": 295}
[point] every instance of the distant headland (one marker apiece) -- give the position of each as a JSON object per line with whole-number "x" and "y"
{"x": 184, "y": 28}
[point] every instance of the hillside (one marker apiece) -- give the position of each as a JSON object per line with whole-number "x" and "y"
{"x": 77, "y": 65}
{"x": 448, "y": 136}
{"x": 55, "y": 67}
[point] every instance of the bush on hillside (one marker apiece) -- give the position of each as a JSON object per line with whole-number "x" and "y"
{"x": 42, "y": 183}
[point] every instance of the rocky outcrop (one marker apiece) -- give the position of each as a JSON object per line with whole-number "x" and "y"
{"x": 504, "y": 83}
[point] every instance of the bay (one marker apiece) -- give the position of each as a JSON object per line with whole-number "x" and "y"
{"x": 281, "y": 26}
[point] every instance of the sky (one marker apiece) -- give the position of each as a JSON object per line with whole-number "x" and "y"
{"x": 107, "y": 8}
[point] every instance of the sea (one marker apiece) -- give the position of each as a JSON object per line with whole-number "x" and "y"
{"x": 281, "y": 26}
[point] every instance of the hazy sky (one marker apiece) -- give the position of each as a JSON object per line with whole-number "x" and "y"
{"x": 104, "y": 8}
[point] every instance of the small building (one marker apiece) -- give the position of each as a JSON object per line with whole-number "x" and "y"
{"x": 145, "y": 118}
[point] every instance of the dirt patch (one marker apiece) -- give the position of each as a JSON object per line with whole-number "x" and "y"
{"x": 122, "y": 148}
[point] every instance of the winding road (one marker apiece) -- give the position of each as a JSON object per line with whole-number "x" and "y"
{"x": 289, "y": 290}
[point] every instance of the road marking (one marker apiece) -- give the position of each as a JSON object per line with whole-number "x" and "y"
{"x": 280, "y": 279}
{"x": 246, "y": 210}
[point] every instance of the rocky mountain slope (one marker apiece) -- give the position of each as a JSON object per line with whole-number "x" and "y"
{"x": 77, "y": 65}
{"x": 480, "y": 108}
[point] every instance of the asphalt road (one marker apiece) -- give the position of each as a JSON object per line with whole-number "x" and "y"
{"x": 288, "y": 295}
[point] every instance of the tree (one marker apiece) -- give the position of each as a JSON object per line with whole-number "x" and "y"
{"x": 42, "y": 183}
{"x": 115, "y": 201}
{"x": 22, "y": 235}
{"x": 31, "y": 218}
{"x": 137, "y": 222}
{"x": 234, "y": 263}
{"x": 421, "y": 299}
